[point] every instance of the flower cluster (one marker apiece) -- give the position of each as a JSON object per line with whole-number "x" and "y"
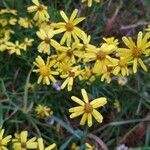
{"x": 75, "y": 58}
{"x": 22, "y": 142}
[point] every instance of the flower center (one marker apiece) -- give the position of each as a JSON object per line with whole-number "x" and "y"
{"x": 101, "y": 55}
{"x": 137, "y": 53}
{"x": 88, "y": 108}
{"x": 47, "y": 40}
{"x": 69, "y": 26}
{"x": 69, "y": 53}
{"x": 83, "y": 47}
{"x": 109, "y": 69}
{"x": 40, "y": 7}
{"x": 122, "y": 63}
{"x": 16, "y": 47}
{"x": 44, "y": 71}
{"x": 23, "y": 145}
{"x": 71, "y": 74}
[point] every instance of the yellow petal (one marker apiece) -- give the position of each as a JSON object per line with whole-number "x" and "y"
{"x": 74, "y": 14}
{"x": 77, "y": 100}
{"x": 89, "y": 120}
{"x": 75, "y": 109}
{"x": 64, "y": 16}
{"x": 83, "y": 119}
{"x": 23, "y": 136}
{"x": 97, "y": 116}
{"x": 98, "y": 102}
{"x": 76, "y": 114}
{"x": 85, "y": 96}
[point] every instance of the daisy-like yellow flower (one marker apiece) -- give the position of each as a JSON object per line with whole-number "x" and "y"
{"x": 10, "y": 21}
{"x": 70, "y": 28}
{"x": 3, "y": 22}
{"x": 102, "y": 57}
{"x": 21, "y": 141}
{"x": 111, "y": 41}
{"x": 4, "y": 42}
{"x": 15, "y": 48}
{"x": 121, "y": 67}
{"x": 47, "y": 41}
{"x": 6, "y": 32}
{"x": 135, "y": 51}
{"x": 8, "y": 11}
{"x": 42, "y": 147}
{"x": 4, "y": 140}
{"x": 43, "y": 111}
{"x": 83, "y": 47}
{"x": 46, "y": 26}
{"x": 25, "y": 22}
{"x": 87, "y": 109}
{"x": 70, "y": 76}
{"x": 107, "y": 75}
{"x": 67, "y": 54}
{"x": 40, "y": 10}
{"x": 87, "y": 74}
{"x": 27, "y": 42}
{"x": 90, "y": 2}
{"x": 45, "y": 70}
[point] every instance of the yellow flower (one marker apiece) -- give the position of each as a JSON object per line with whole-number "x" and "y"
{"x": 107, "y": 75}
{"x": 41, "y": 145}
{"x": 6, "y": 32}
{"x": 74, "y": 147}
{"x": 111, "y": 41}
{"x": 47, "y": 41}
{"x": 121, "y": 67}
{"x": 102, "y": 57}
{"x": 87, "y": 109}
{"x": 12, "y": 21}
{"x": 27, "y": 42}
{"x": 8, "y": 11}
{"x": 41, "y": 11}
{"x": 46, "y": 26}
{"x": 15, "y": 48}
{"x": 43, "y": 111}
{"x": 4, "y": 140}
{"x": 70, "y": 76}
{"x": 45, "y": 70}
{"x": 21, "y": 141}
{"x": 90, "y": 2}
{"x": 135, "y": 51}
{"x": 83, "y": 47}
{"x": 4, "y": 42}
{"x": 87, "y": 74}
{"x": 67, "y": 54}
{"x": 69, "y": 27}
{"x": 25, "y": 22}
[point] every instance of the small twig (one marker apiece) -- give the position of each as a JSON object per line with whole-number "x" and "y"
{"x": 98, "y": 140}
{"x": 134, "y": 25}
{"x": 7, "y": 118}
{"x": 4, "y": 100}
